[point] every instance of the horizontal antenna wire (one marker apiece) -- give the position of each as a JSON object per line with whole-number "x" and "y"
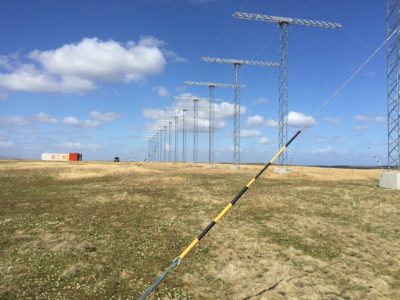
{"x": 348, "y": 80}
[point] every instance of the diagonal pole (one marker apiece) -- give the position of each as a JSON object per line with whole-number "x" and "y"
{"x": 185, "y": 252}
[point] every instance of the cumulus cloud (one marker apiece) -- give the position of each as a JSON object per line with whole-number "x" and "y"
{"x": 271, "y": 123}
{"x": 254, "y": 121}
{"x": 13, "y": 121}
{"x": 27, "y": 78}
{"x": 249, "y": 133}
{"x": 162, "y": 91}
{"x": 261, "y": 100}
{"x": 364, "y": 118}
{"x": 297, "y": 119}
{"x": 104, "y": 117}
{"x": 6, "y": 144}
{"x": 370, "y": 119}
{"x": 94, "y": 59}
{"x": 222, "y": 112}
{"x": 45, "y": 118}
{"x": 75, "y": 67}
{"x": 263, "y": 140}
{"x": 360, "y": 128}
{"x": 78, "y": 146}
{"x": 361, "y": 118}
{"x": 74, "y": 121}
{"x": 379, "y": 119}
{"x": 332, "y": 120}
{"x": 324, "y": 150}
{"x": 172, "y": 56}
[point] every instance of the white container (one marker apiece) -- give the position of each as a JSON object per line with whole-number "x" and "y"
{"x": 55, "y": 156}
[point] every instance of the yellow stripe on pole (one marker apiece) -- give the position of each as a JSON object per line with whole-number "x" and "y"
{"x": 277, "y": 154}
{"x": 251, "y": 182}
{"x": 223, "y": 212}
{"x": 188, "y": 248}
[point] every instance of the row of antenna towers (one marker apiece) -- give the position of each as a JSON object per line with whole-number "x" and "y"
{"x": 157, "y": 140}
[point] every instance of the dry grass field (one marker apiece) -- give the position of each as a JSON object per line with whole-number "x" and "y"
{"x": 105, "y": 230}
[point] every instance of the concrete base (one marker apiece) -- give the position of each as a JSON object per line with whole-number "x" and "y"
{"x": 235, "y": 167}
{"x": 282, "y": 171}
{"x": 390, "y": 180}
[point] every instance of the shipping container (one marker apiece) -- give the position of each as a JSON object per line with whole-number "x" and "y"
{"x": 55, "y": 156}
{"x": 75, "y": 156}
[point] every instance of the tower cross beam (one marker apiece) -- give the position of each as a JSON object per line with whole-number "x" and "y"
{"x": 275, "y": 19}
{"x": 240, "y": 62}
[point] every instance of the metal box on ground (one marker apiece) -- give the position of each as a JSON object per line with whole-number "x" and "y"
{"x": 390, "y": 180}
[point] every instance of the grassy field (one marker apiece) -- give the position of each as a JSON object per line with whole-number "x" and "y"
{"x": 105, "y": 230}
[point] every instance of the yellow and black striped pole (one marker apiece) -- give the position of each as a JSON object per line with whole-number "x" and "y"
{"x": 177, "y": 260}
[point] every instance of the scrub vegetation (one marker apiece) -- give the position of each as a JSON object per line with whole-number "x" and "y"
{"x": 106, "y": 230}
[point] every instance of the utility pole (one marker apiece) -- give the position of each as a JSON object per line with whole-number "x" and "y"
{"x": 211, "y": 127}
{"x": 236, "y": 113}
{"x": 393, "y": 85}
{"x": 284, "y": 23}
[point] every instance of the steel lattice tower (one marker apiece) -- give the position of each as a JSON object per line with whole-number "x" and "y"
{"x": 159, "y": 145}
{"x": 165, "y": 141}
{"x": 176, "y": 139}
{"x": 211, "y": 127}
{"x": 284, "y": 23}
{"x": 393, "y": 76}
{"x": 183, "y": 136}
{"x": 283, "y": 91}
{"x": 169, "y": 140}
{"x": 195, "y": 128}
{"x": 236, "y": 114}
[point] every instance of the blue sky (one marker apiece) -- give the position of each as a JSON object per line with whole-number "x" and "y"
{"x": 93, "y": 76}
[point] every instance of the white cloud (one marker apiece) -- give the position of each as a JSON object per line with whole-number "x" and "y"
{"x": 74, "y": 121}
{"x": 222, "y": 112}
{"x": 324, "y": 150}
{"x": 172, "y": 56}
{"x": 271, "y": 123}
{"x": 106, "y": 117}
{"x": 6, "y": 144}
{"x": 78, "y": 146}
{"x": 379, "y": 119}
{"x": 360, "y": 128}
{"x": 255, "y": 120}
{"x": 261, "y": 100}
{"x": 27, "y": 78}
{"x": 45, "y": 118}
{"x": 332, "y": 120}
{"x": 361, "y": 118}
{"x": 74, "y": 68}
{"x": 249, "y": 133}
{"x": 90, "y": 124}
{"x": 162, "y": 91}
{"x": 297, "y": 119}
{"x": 367, "y": 119}
{"x": 13, "y": 121}
{"x": 70, "y": 120}
{"x": 94, "y": 59}
{"x": 263, "y": 140}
